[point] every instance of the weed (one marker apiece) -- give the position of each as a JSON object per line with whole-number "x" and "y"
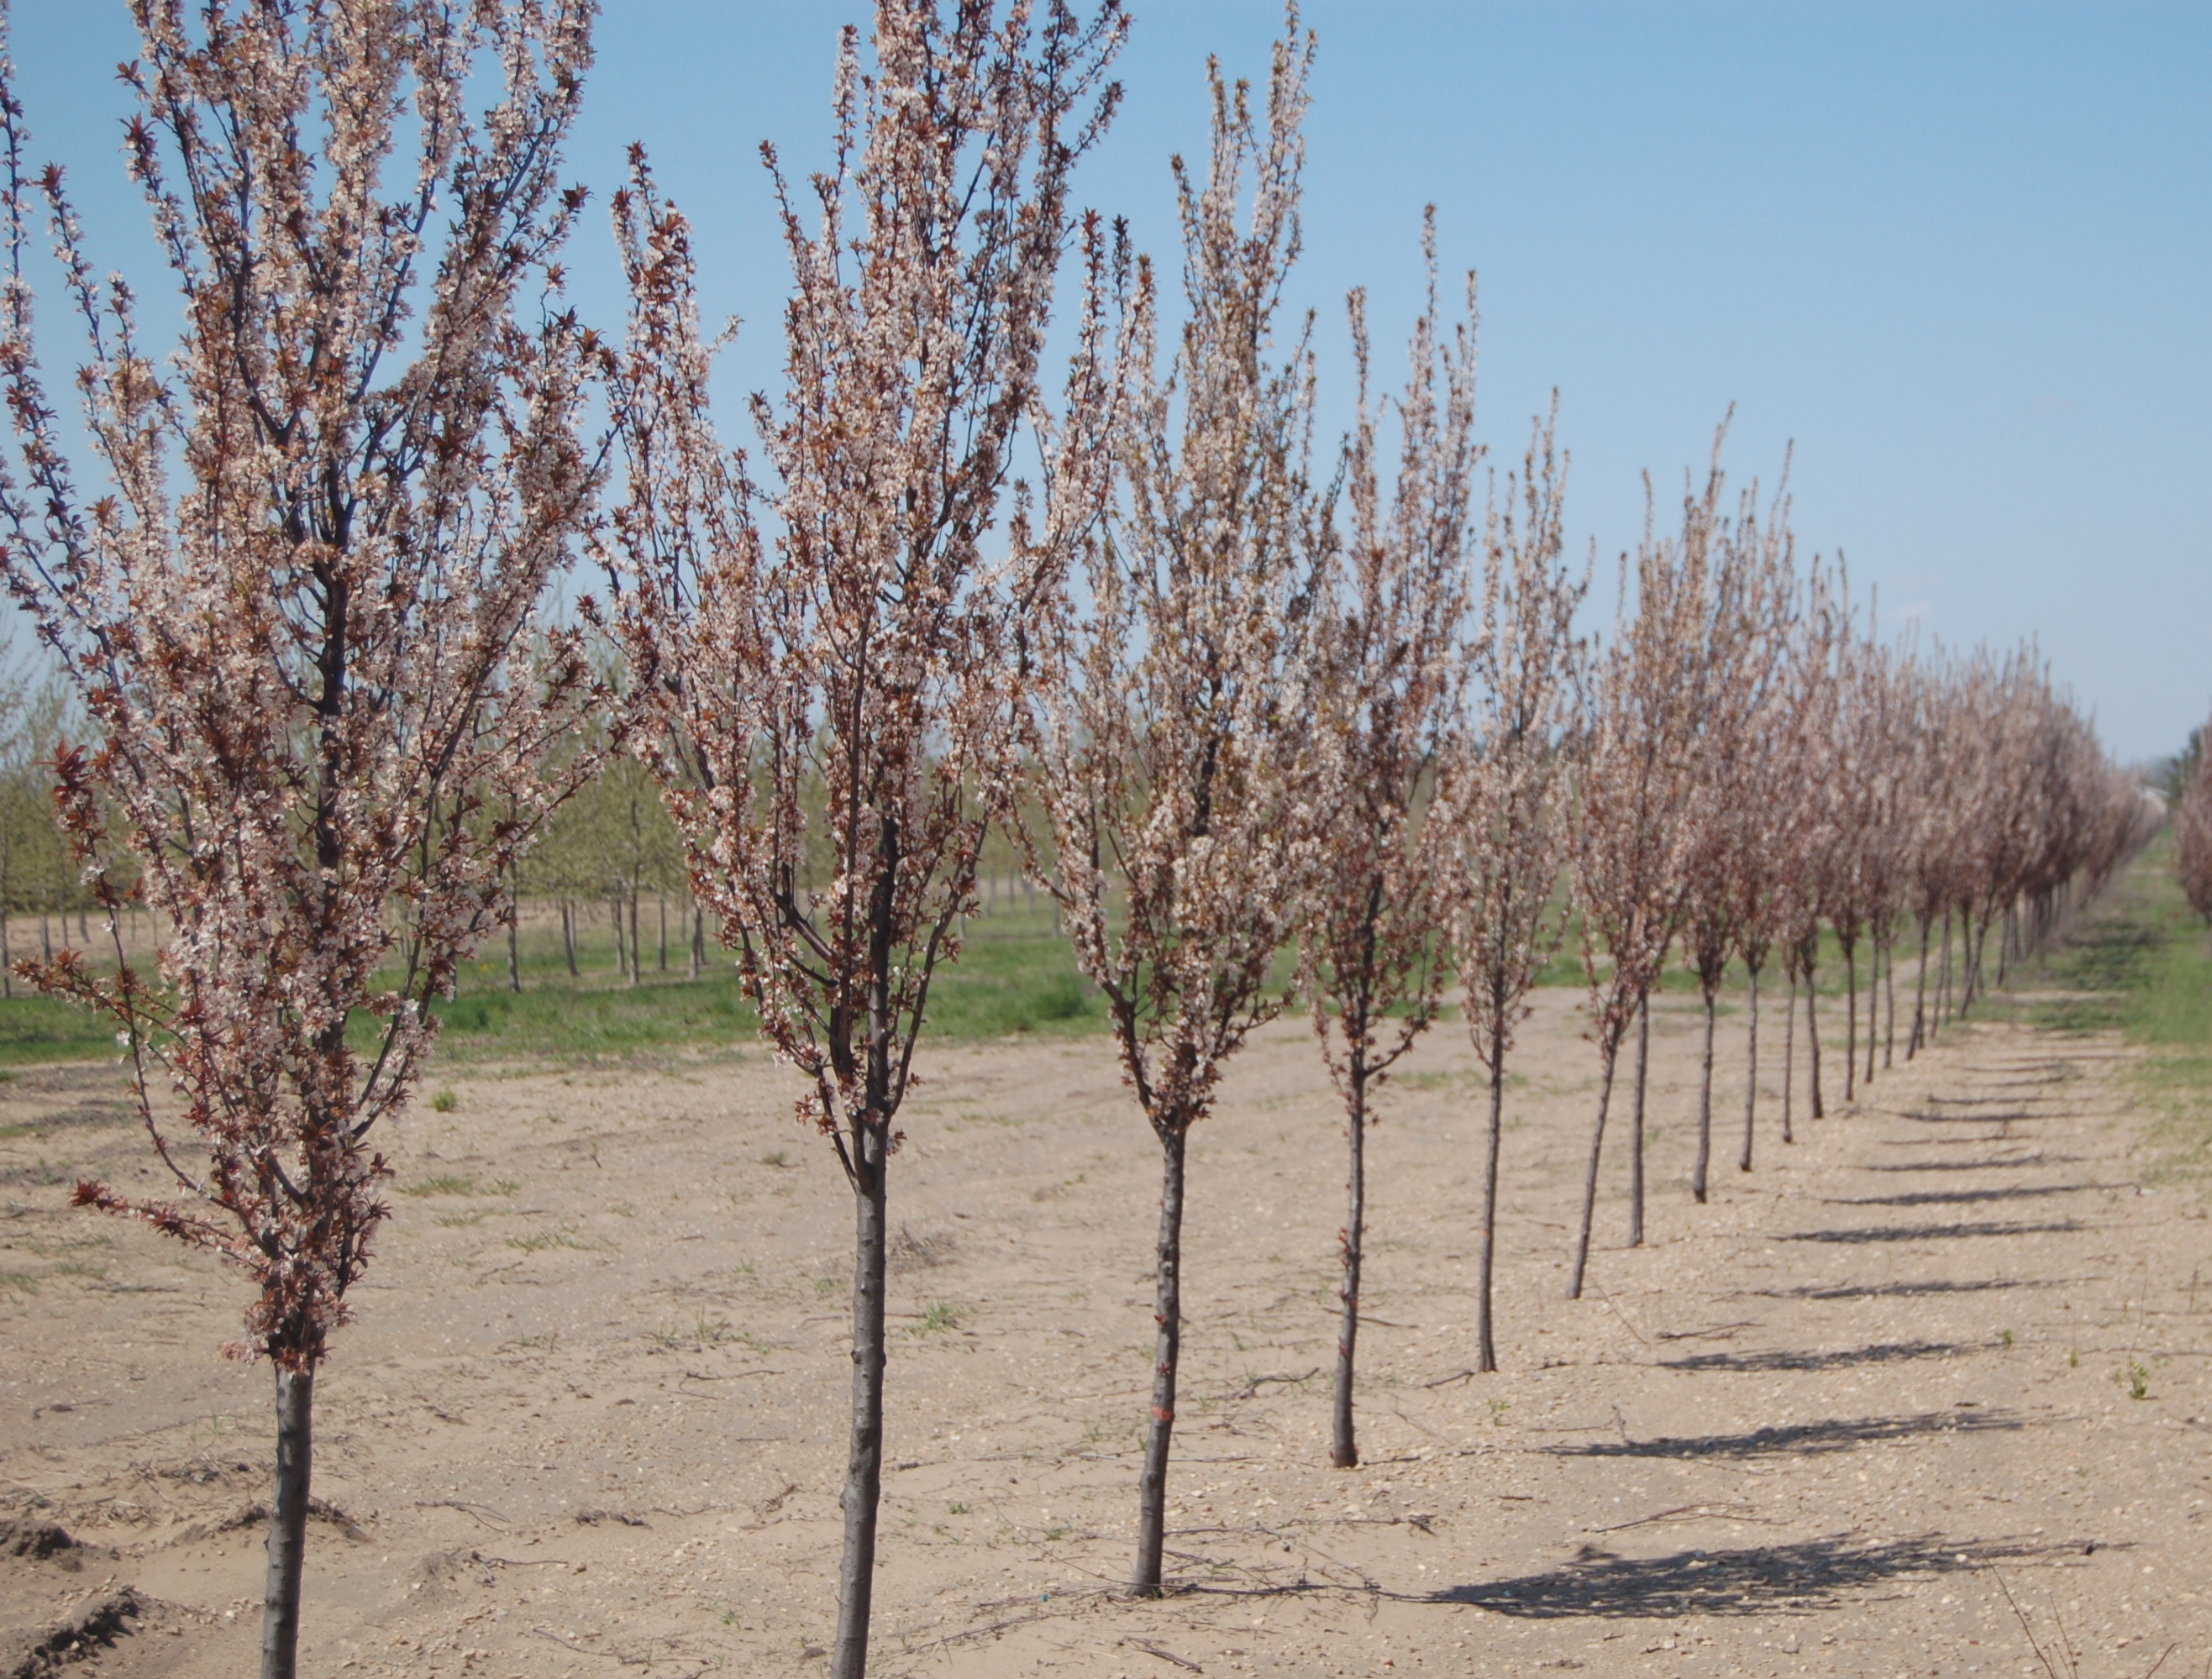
{"x": 2135, "y": 1379}
{"x": 712, "y": 1334}
{"x": 936, "y": 1318}
{"x": 21, "y": 1282}
{"x": 444, "y": 1102}
{"x": 776, "y": 1157}
{"x": 449, "y": 1183}
{"x": 956, "y": 1509}
{"x": 1497, "y": 1409}
{"x": 828, "y": 1285}
{"x": 2004, "y": 1339}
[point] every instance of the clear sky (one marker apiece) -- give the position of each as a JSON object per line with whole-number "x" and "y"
{"x": 1960, "y": 253}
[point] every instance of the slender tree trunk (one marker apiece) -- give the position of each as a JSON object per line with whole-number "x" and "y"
{"x": 1873, "y": 1007}
{"x": 698, "y": 939}
{"x": 1704, "y": 1108}
{"x": 1813, "y": 1044}
{"x": 288, "y": 1523}
{"x": 1919, "y": 998}
{"x": 1344, "y": 1447}
{"x": 514, "y": 932}
{"x": 864, "y": 1455}
{"x": 621, "y": 949}
{"x": 1167, "y": 1312}
{"x": 1942, "y": 1013}
{"x": 1486, "y": 1258}
{"x": 1789, "y": 1060}
{"x": 7, "y": 959}
{"x": 1612, "y": 1053}
{"x": 1636, "y": 1125}
{"x": 661, "y": 907}
{"x": 636, "y": 949}
{"x": 1850, "y": 1020}
{"x": 1750, "y": 1069}
{"x": 45, "y": 938}
{"x": 1889, "y": 1005}
{"x": 569, "y": 935}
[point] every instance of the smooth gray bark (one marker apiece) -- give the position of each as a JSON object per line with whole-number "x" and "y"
{"x": 288, "y": 1523}
{"x": 1167, "y": 1313}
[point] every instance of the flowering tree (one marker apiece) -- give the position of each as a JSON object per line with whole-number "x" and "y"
{"x": 296, "y": 613}
{"x": 1767, "y": 858}
{"x": 1501, "y": 796}
{"x": 860, "y": 693}
{"x": 1387, "y": 676}
{"x": 1632, "y": 832}
{"x": 1172, "y": 744}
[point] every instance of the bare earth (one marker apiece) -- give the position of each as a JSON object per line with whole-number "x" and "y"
{"x": 592, "y": 1417}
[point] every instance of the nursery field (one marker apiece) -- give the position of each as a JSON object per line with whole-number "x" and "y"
{"x": 1925, "y": 1392}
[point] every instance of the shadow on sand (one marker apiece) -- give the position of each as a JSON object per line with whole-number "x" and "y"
{"x": 1763, "y": 1580}
{"x": 1800, "y": 1439}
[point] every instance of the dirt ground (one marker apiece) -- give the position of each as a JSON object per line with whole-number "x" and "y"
{"x": 1927, "y": 1382}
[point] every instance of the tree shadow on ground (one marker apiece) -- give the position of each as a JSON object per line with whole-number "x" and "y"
{"x": 1765, "y": 1579}
{"x": 1800, "y": 1439}
{"x": 1928, "y": 1233}
{"x": 1883, "y": 1352}
{"x": 2007, "y": 1163}
{"x": 1862, "y": 1291}
{"x": 2018, "y": 1113}
{"x": 1947, "y": 1197}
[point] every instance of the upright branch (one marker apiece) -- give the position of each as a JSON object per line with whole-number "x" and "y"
{"x": 1500, "y": 793}
{"x": 1172, "y": 742}
{"x": 298, "y": 608}
{"x": 1387, "y": 676}
{"x": 856, "y": 699}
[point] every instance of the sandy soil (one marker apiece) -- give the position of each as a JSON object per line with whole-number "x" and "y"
{"x": 592, "y": 1417}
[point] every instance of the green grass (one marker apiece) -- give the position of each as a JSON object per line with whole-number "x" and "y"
{"x": 2139, "y": 962}
{"x": 1016, "y": 977}
{"x": 36, "y": 1029}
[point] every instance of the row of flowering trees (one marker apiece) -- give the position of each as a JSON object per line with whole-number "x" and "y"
{"x": 1224, "y": 703}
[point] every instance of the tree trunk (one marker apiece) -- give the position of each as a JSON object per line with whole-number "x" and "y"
{"x": 514, "y": 932}
{"x": 45, "y": 938}
{"x": 1813, "y": 1044}
{"x": 1167, "y": 1312}
{"x": 1611, "y": 1053}
{"x": 569, "y": 935}
{"x": 1851, "y": 1020}
{"x": 1705, "y": 1108}
{"x": 1344, "y": 1445}
{"x": 7, "y": 959}
{"x": 1876, "y": 975}
{"x": 1750, "y": 1070}
{"x": 1486, "y": 1258}
{"x": 660, "y": 906}
{"x": 1888, "y": 1003}
{"x": 698, "y": 941}
{"x": 1919, "y": 998}
{"x": 621, "y": 949}
{"x": 288, "y": 1523}
{"x": 1936, "y": 1020}
{"x": 864, "y": 1455}
{"x": 636, "y": 950}
{"x": 1636, "y": 1125}
{"x": 1789, "y": 1058}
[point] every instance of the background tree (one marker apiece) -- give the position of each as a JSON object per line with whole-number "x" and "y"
{"x": 297, "y": 613}
{"x": 1631, "y": 833}
{"x": 1388, "y": 676}
{"x": 1500, "y": 793}
{"x": 1171, "y": 748}
{"x": 860, "y": 693}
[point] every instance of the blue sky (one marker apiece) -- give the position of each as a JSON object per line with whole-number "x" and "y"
{"x": 1961, "y": 254}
